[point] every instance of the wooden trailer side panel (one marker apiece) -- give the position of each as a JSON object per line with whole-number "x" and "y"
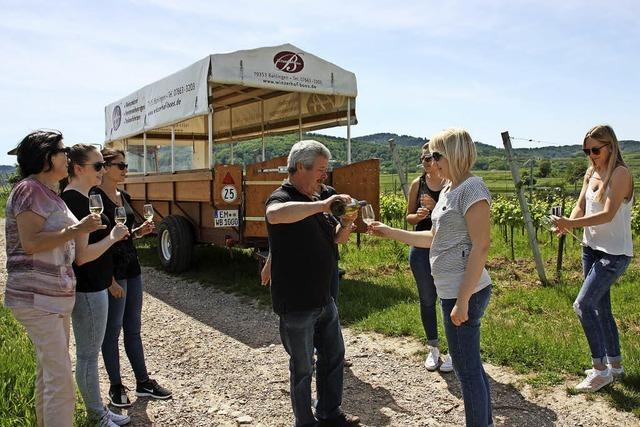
{"x": 261, "y": 179}
{"x": 360, "y": 180}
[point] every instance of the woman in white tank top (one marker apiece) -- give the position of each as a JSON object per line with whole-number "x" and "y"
{"x": 604, "y": 210}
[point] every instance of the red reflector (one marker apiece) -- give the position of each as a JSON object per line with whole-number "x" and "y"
{"x": 228, "y": 179}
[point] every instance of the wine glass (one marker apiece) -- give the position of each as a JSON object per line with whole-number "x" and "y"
{"x": 423, "y": 197}
{"x": 368, "y": 216}
{"x": 547, "y": 222}
{"x": 95, "y": 204}
{"x": 147, "y": 212}
{"x": 120, "y": 215}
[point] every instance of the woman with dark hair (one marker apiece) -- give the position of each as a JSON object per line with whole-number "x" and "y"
{"x": 89, "y": 316}
{"x": 43, "y": 238}
{"x": 604, "y": 210}
{"x": 125, "y": 291}
{"x": 423, "y": 196}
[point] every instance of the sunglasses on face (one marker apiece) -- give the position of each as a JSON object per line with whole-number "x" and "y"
{"x": 121, "y": 166}
{"x": 97, "y": 166}
{"x": 594, "y": 150}
{"x": 427, "y": 159}
{"x": 65, "y": 150}
{"x": 437, "y": 156}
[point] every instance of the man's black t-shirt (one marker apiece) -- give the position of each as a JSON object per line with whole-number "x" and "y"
{"x": 125, "y": 256}
{"x": 96, "y": 275}
{"x": 325, "y": 192}
{"x": 302, "y": 257}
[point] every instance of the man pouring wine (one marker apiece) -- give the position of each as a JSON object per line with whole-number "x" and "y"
{"x": 303, "y": 262}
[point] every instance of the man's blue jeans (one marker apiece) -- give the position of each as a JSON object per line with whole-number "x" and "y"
{"x": 300, "y": 333}
{"x": 125, "y": 314}
{"x": 593, "y": 304}
{"x": 421, "y": 269}
{"x": 464, "y": 348}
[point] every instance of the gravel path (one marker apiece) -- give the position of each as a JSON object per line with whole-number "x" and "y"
{"x": 221, "y": 356}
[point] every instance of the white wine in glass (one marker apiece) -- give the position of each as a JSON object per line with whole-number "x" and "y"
{"x": 547, "y": 222}
{"x": 121, "y": 215}
{"x": 147, "y": 211}
{"x": 95, "y": 204}
{"x": 368, "y": 216}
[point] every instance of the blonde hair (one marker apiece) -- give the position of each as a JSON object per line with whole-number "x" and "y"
{"x": 457, "y": 146}
{"x": 605, "y": 135}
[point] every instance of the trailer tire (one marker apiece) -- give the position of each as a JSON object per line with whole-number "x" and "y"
{"x": 175, "y": 243}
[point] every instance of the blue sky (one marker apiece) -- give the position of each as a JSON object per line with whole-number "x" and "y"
{"x": 546, "y": 70}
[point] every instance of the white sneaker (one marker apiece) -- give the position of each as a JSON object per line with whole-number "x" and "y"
{"x": 595, "y": 381}
{"x": 117, "y": 419}
{"x": 446, "y": 365}
{"x": 616, "y": 372}
{"x": 433, "y": 359}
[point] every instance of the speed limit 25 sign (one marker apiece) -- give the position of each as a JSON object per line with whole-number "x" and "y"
{"x": 229, "y": 193}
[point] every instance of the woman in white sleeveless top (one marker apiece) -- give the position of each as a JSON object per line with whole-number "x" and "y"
{"x": 604, "y": 210}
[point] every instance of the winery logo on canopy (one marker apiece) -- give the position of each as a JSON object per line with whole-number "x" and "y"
{"x": 116, "y": 117}
{"x": 289, "y": 62}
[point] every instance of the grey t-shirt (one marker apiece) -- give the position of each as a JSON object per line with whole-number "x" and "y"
{"x": 451, "y": 241}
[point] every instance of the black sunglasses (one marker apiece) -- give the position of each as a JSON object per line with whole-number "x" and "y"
{"x": 436, "y": 156}
{"x": 594, "y": 150}
{"x": 65, "y": 150}
{"x": 97, "y": 165}
{"x": 121, "y": 166}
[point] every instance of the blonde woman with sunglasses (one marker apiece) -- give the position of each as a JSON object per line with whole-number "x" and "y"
{"x": 459, "y": 240}
{"x": 603, "y": 209}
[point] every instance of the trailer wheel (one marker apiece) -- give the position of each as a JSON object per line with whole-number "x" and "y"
{"x": 175, "y": 243}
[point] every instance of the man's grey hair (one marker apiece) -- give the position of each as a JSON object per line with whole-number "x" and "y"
{"x": 306, "y": 152}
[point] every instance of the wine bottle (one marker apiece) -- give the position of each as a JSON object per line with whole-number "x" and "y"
{"x": 339, "y": 207}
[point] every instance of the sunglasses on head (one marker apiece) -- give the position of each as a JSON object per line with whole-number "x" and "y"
{"x": 437, "y": 156}
{"x": 121, "y": 166}
{"x": 594, "y": 150}
{"x": 97, "y": 165}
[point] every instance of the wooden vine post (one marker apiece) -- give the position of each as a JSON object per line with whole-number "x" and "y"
{"x": 533, "y": 242}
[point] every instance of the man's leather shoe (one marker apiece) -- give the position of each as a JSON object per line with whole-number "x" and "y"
{"x": 342, "y": 420}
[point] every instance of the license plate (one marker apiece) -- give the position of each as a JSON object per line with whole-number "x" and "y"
{"x": 226, "y": 218}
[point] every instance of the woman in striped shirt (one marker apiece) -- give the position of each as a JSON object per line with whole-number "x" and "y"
{"x": 459, "y": 240}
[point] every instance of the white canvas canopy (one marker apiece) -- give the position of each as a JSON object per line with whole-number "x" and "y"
{"x": 233, "y": 97}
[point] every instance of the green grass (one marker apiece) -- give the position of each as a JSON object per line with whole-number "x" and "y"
{"x": 498, "y": 181}
{"x": 528, "y": 327}
{"x": 3, "y": 203}
{"x": 17, "y": 373}
{"x": 17, "y": 377}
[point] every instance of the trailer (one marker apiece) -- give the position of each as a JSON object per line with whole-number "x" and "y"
{"x": 171, "y": 129}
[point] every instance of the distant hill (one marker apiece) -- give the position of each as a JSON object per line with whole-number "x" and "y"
{"x": 6, "y": 169}
{"x": 401, "y": 140}
{"x": 377, "y": 146}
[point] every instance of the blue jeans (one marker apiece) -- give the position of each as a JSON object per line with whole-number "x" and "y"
{"x": 421, "y": 269}
{"x": 593, "y": 304}
{"x": 89, "y": 319}
{"x": 125, "y": 313}
{"x": 464, "y": 348}
{"x": 300, "y": 333}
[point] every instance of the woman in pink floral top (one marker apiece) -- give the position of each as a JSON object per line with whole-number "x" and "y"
{"x": 43, "y": 238}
